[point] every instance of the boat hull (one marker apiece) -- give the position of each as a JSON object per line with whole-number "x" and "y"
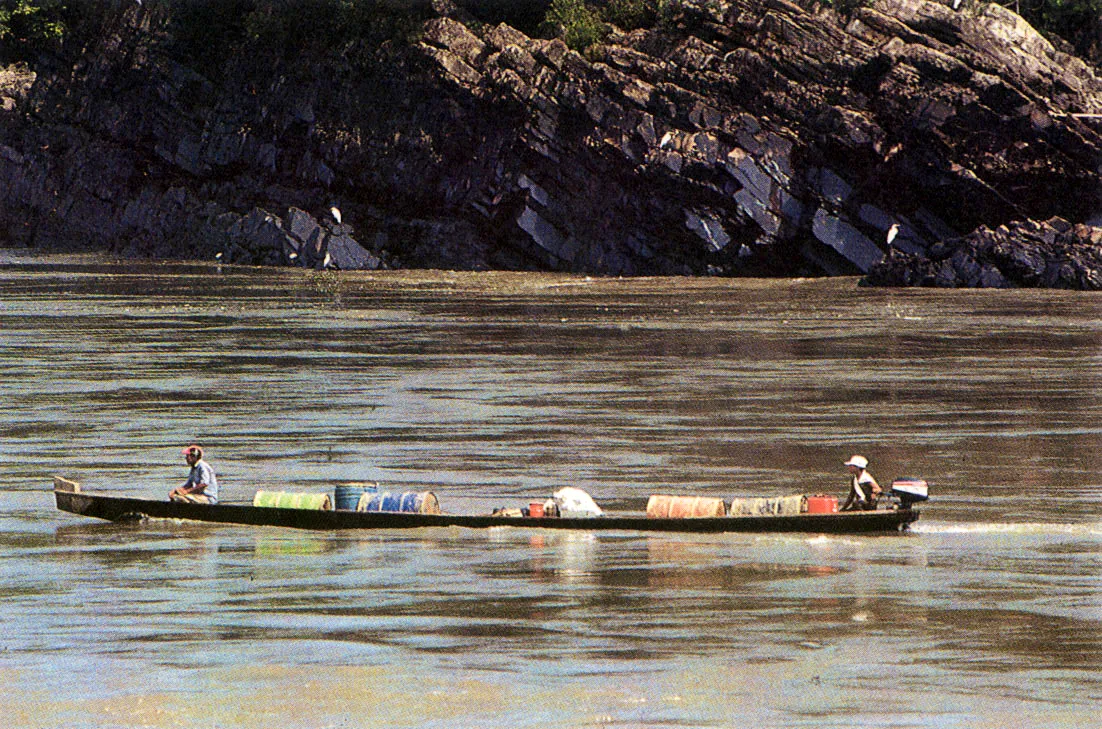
{"x": 118, "y": 508}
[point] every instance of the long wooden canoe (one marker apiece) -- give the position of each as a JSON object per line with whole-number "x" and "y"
{"x": 70, "y": 498}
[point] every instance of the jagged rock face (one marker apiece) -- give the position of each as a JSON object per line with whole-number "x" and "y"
{"x": 1026, "y": 254}
{"x": 15, "y": 84}
{"x": 749, "y": 137}
{"x": 768, "y": 133}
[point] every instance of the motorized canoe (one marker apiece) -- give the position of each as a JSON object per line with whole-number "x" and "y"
{"x": 70, "y": 498}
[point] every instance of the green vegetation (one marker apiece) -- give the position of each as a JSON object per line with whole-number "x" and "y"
{"x": 204, "y": 34}
{"x": 207, "y": 33}
{"x": 579, "y": 25}
{"x": 26, "y": 25}
{"x": 313, "y": 25}
{"x": 633, "y": 14}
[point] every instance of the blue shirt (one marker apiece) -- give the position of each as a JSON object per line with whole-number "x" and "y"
{"x": 201, "y": 472}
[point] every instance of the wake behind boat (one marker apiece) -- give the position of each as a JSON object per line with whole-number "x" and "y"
{"x": 71, "y": 498}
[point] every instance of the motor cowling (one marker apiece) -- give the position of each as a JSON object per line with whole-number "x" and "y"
{"x": 908, "y": 491}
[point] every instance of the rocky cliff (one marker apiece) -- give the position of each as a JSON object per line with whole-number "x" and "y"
{"x": 761, "y": 137}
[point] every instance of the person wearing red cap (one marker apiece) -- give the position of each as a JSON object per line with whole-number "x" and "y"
{"x": 863, "y": 489}
{"x": 201, "y": 486}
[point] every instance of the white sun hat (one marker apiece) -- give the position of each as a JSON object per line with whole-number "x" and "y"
{"x": 859, "y": 461}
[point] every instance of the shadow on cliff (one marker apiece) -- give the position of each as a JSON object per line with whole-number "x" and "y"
{"x": 754, "y": 137}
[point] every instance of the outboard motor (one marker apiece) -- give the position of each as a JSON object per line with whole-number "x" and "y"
{"x": 908, "y": 491}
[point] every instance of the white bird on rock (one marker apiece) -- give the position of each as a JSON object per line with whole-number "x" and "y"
{"x": 336, "y": 214}
{"x": 893, "y": 232}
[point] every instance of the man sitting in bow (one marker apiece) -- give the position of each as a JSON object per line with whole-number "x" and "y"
{"x": 201, "y": 486}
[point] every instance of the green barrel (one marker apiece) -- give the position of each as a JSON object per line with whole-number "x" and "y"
{"x": 292, "y": 500}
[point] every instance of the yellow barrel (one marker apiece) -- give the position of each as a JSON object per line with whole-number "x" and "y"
{"x": 292, "y": 500}
{"x": 661, "y": 506}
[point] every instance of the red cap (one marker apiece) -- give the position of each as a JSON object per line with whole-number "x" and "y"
{"x": 193, "y": 449}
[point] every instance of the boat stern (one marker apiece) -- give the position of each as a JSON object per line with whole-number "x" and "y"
{"x": 64, "y": 484}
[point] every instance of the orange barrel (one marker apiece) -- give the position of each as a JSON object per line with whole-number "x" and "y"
{"x": 535, "y": 510}
{"x": 429, "y": 503}
{"x": 660, "y": 506}
{"x": 821, "y": 504}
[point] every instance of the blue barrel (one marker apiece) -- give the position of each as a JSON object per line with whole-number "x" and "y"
{"x": 347, "y": 495}
{"x": 381, "y": 501}
{"x": 411, "y": 502}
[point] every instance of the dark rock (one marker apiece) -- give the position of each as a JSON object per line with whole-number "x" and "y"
{"x": 258, "y": 238}
{"x": 966, "y": 269}
{"x": 742, "y": 137}
{"x": 1028, "y": 253}
{"x": 304, "y": 240}
{"x": 846, "y": 240}
{"x": 992, "y": 278}
{"x": 346, "y": 254}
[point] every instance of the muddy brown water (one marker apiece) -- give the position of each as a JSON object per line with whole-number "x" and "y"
{"x": 493, "y": 390}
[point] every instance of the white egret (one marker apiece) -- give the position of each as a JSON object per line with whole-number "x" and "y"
{"x": 893, "y": 232}
{"x": 335, "y": 213}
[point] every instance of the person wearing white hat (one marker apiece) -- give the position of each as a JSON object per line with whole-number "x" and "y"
{"x": 201, "y": 486}
{"x": 863, "y": 489}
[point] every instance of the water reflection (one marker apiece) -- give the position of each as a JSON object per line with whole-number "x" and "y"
{"x": 295, "y": 545}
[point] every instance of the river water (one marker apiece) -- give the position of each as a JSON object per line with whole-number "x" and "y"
{"x": 494, "y": 390}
